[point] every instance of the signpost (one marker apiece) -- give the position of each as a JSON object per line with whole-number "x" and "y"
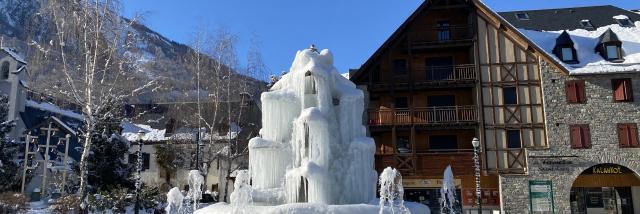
{"x": 541, "y": 197}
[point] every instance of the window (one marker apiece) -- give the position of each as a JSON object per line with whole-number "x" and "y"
{"x": 441, "y": 100}
{"x": 401, "y": 102}
{"x": 575, "y": 91}
{"x": 510, "y": 96}
{"x": 513, "y": 139}
{"x": 4, "y": 72}
{"x": 444, "y": 32}
{"x": 567, "y": 54}
{"x": 400, "y": 66}
{"x": 443, "y": 142}
{"x": 613, "y": 52}
{"x": 622, "y": 90}
{"x": 586, "y": 24}
{"x": 628, "y": 135}
{"x": 580, "y": 136}
{"x": 133, "y": 158}
{"x": 522, "y": 16}
{"x": 624, "y": 22}
{"x": 403, "y": 145}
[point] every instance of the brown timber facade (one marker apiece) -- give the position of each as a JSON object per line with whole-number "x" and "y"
{"x": 454, "y": 70}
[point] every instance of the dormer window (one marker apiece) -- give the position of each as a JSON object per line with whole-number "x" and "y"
{"x": 623, "y": 21}
{"x": 610, "y": 47}
{"x": 522, "y": 16}
{"x": 564, "y": 49}
{"x": 586, "y": 24}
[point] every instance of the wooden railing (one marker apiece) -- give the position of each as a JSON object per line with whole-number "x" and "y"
{"x": 449, "y": 73}
{"x": 425, "y": 115}
{"x": 442, "y": 34}
{"x": 429, "y": 164}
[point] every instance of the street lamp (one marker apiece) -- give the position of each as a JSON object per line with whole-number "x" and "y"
{"x": 476, "y": 162}
{"x": 138, "y": 170}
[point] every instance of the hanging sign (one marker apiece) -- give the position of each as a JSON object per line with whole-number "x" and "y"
{"x": 541, "y": 197}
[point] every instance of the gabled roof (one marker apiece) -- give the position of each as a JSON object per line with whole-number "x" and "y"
{"x": 568, "y": 18}
{"x": 14, "y": 55}
{"x": 608, "y": 36}
{"x": 423, "y": 8}
{"x": 564, "y": 39}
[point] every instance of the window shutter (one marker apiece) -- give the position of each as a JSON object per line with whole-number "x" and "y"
{"x": 570, "y": 89}
{"x": 575, "y": 137}
{"x": 633, "y": 135}
{"x": 623, "y": 135}
{"x": 580, "y": 92}
{"x": 586, "y": 136}
{"x": 618, "y": 90}
{"x": 628, "y": 91}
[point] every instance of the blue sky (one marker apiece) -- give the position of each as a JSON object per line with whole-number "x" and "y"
{"x": 351, "y": 29}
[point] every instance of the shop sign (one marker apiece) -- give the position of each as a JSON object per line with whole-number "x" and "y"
{"x": 426, "y": 183}
{"x": 604, "y": 169}
{"x": 541, "y": 197}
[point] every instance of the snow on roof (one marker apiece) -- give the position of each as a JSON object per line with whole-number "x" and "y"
{"x": 54, "y": 109}
{"x": 591, "y": 62}
{"x": 15, "y": 55}
{"x": 130, "y": 132}
{"x": 64, "y": 125}
{"x": 621, "y": 17}
{"x": 346, "y": 75}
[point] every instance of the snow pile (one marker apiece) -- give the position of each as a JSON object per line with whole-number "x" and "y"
{"x": 312, "y": 147}
{"x": 585, "y": 41}
{"x": 130, "y": 132}
{"x": 174, "y": 201}
{"x": 53, "y": 109}
{"x": 309, "y": 208}
{"x": 391, "y": 191}
{"x": 448, "y": 193}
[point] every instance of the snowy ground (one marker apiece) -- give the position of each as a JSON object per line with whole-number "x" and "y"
{"x": 305, "y": 208}
{"x": 39, "y": 207}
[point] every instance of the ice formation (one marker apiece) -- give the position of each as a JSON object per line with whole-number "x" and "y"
{"x": 195, "y": 187}
{"x": 312, "y": 146}
{"x": 174, "y": 201}
{"x": 448, "y": 193}
{"x": 241, "y": 194}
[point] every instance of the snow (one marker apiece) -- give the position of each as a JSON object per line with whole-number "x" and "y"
{"x": 620, "y": 17}
{"x": 591, "y": 62}
{"x": 310, "y": 208}
{"x": 346, "y": 75}
{"x": 54, "y": 109}
{"x": 130, "y": 132}
{"x": 312, "y": 147}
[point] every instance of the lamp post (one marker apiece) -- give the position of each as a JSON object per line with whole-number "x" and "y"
{"x": 476, "y": 163}
{"x": 138, "y": 170}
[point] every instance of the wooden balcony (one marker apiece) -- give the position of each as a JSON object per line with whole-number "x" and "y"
{"x": 434, "y": 77}
{"x": 442, "y": 37}
{"x": 427, "y": 164}
{"x": 425, "y": 116}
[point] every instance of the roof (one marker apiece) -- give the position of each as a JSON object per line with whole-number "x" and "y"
{"x": 568, "y": 18}
{"x": 14, "y": 55}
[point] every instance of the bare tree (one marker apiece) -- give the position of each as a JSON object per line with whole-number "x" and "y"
{"x": 91, "y": 43}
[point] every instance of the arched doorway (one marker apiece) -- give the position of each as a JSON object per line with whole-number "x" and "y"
{"x": 606, "y": 188}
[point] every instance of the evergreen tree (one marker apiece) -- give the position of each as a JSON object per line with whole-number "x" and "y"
{"x": 9, "y": 179}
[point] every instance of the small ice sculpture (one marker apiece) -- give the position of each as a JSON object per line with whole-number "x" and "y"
{"x": 242, "y": 189}
{"x": 195, "y": 187}
{"x": 448, "y": 193}
{"x": 391, "y": 191}
{"x": 312, "y": 146}
{"x": 174, "y": 201}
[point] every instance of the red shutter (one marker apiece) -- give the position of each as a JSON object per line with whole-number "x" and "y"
{"x": 580, "y": 92}
{"x": 575, "y": 137}
{"x": 586, "y": 136}
{"x": 633, "y": 135}
{"x": 570, "y": 89}
{"x": 628, "y": 91}
{"x": 623, "y": 135}
{"x": 618, "y": 90}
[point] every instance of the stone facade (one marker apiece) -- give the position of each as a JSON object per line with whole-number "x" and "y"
{"x": 560, "y": 163}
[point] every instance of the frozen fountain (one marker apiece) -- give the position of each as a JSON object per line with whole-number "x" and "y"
{"x": 174, "y": 201}
{"x": 241, "y": 195}
{"x": 448, "y": 199}
{"x": 391, "y": 191}
{"x": 312, "y": 154}
{"x": 196, "y": 180}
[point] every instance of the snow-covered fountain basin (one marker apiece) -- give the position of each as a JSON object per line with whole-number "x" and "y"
{"x": 312, "y": 154}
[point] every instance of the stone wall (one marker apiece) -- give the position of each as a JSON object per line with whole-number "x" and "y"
{"x": 565, "y": 163}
